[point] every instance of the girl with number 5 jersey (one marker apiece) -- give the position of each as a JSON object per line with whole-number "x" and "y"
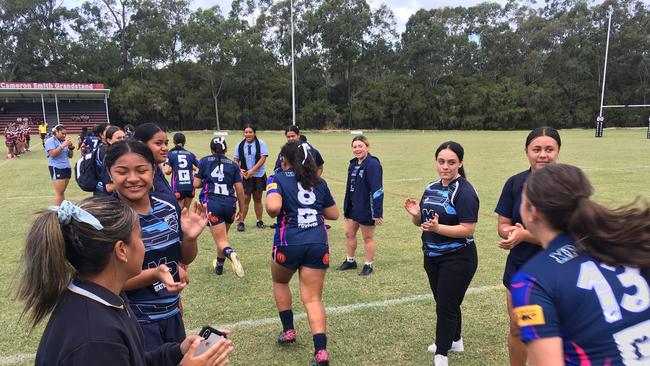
{"x": 585, "y": 299}
{"x": 220, "y": 179}
{"x": 301, "y": 201}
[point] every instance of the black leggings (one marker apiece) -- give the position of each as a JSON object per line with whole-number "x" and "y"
{"x": 449, "y": 277}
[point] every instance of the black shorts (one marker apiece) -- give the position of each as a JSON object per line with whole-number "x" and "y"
{"x": 219, "y": 213}
{"x": 365, "y": 222}
{"x": 43, "y": 135}
{"x": 28, "y": 138}
{"x": 58, "y": 173}
{"x": 315, "y": 256}
{"x": 10, "y": 143}
{"x": 255, "y": 184}
{"x": 184, "y": 194}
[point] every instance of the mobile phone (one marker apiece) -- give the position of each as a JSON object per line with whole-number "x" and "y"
{"x": 210, "y": 337}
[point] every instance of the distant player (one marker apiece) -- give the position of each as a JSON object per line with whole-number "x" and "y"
{"x": 585, "y": 299}
{"x": 302, "y": 202}
{"x": 181, "y": 164}
{"x": 10, "y": 140}
{"x": 220, "y": 180}
{"x": 251, "y": 154}
{"x": 292, "y": 133}
{"x": 42, "y": 130}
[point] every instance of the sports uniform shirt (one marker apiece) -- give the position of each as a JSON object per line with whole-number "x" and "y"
{"x": 60, "y": 161}
{"x": 92, "y": 326}
{"x": 301, "y": 220}
{"x": 219, "y": 175}
{"x": 162, "y": 237}
{"x": 601, "y": 312}
{"x": 162, "y": 188}
{"x": 249, "y": 154}
{"x": 182, "y": 163}
{"x": 508, "y": 206}
{"x": 92, "y": 141}
{"x": 364, "y": 196}
{"x": 318, "y": 159}
{"x": 456, "y": 203}
{"x": 42, "y": 128}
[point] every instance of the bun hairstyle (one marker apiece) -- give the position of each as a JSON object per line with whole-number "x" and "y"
{"x": 457, "y": 149}
{"x": 298, "y": 156}
{"x": 292, "y": 128}
{"x": 618, "y": 236}
{"x": 56, "y": 251}
{"x": 123, "y": 147}
{"x": 179, "y": 139}
{"x": 544, "y": 131}
{"x": 218, "y": 145}
{"x": 146, "y": 131}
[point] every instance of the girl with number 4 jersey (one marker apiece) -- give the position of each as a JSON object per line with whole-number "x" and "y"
{"x": 585, "y": 299}
{"x": 220, "y": 179}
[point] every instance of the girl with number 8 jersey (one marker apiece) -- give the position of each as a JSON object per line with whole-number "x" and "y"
{"x": 585, "y": 299}
{"x": 220, "y": 178}
{"x": 301, "y": 201}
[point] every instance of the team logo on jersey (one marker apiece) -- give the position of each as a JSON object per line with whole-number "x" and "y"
{"x": 171, "y": 222}
{"x": 529, "y": 315}
{"x": 213, "y": 219}
{"x": 178, "y": 195}
{"x": 280, "y": 257}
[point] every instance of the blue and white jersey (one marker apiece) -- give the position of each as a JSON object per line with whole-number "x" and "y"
{"x": 162, "y": 237}
{"x": 182, "y": 163}
{"x": 91, "y": 142}
{"x": 602, "y": 313}
{"x": 301, "y": 220}
{"x": 456, "y": 203}
{"x": 61, "y": 161}
{"x": 219, "y": 175}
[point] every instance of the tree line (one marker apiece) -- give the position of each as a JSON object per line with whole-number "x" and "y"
{"x": 483, "y": 67}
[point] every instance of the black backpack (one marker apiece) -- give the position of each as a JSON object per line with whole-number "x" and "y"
{"x": 85, "y": 172}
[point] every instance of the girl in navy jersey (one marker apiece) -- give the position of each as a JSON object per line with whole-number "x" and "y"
{"x": 585, "y": 299}
{"x": 168, "y": 240}
{"x": 181, "y": 164}
{"x": 542, "y": 147}
{"x": 77, "y": 260}
{"x": 363, "y": 204}
{"x": 156, "y": 140}
{"x": 112, "y": 134}
{"x": 301, "y": 201}
{"x": 221, "y": 183}
{"x": 447, "y": 215}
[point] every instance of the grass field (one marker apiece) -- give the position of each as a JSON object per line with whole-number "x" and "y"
{"x": 364, "y": 328}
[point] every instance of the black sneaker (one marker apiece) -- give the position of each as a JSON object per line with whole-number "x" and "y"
{"x": 347, "y": 265}
{"x": 218, "y": 269}
{"x": 241, "y": 227}
{"x": 260, "y": 225}
{"x": 366, "y": 270}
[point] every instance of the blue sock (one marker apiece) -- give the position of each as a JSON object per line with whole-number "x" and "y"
{"x": 320, "y": 342}
{"x": 227, "y": 251}
{"x": 286, "y": 317}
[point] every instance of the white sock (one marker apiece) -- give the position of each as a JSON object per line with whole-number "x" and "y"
{"x": 349, "y": 259}
{"x": 369, "y": 264}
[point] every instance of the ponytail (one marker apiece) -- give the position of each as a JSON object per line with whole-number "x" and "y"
{"x": 298, "y": 156}
{"x": 76, "y": 239}
{"x": 619, "y": 236}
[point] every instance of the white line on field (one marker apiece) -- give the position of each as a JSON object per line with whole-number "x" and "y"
{"x": 25, "y": 357}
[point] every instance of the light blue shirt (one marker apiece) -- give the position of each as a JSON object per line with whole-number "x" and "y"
{"x": 250, "y": 157}
{"x": 60, "y": 161}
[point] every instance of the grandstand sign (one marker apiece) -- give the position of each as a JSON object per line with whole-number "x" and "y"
{"x": 61, "y": 86}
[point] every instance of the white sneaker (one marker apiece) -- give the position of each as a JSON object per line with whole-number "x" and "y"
{"x": 236, "y": 265}
{"x": 456, "y": 346}
{"x": 440, "y": 360}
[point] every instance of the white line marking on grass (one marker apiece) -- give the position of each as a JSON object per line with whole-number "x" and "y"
{"x": 623, "y": 168}
{"x": 253, "y": 323}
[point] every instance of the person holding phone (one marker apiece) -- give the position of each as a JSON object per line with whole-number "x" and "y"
{"x": 59, "y": 151}
{"x": 76, "y": 262}
{"x": 169, "y": 240}
{"x": 585, "y": 298}
{"x": 301, "y": 201}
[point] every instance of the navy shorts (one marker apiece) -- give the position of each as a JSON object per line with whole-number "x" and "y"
{"x": 219, "y": 213}
{"x": 58, "y": 173}
{"x": 315, "y": 256}
{"x": 161, "y": 331}
{"x": 254, "y": 184}
{"x": 184, "y": 194}
{"x": 364, "y": 222}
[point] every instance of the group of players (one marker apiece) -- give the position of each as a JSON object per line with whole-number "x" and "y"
{"x": 536, "y": 210}
{"x": 17, "y": 138}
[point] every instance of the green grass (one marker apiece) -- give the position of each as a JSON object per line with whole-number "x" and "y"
{"x": 395, "y": 334}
